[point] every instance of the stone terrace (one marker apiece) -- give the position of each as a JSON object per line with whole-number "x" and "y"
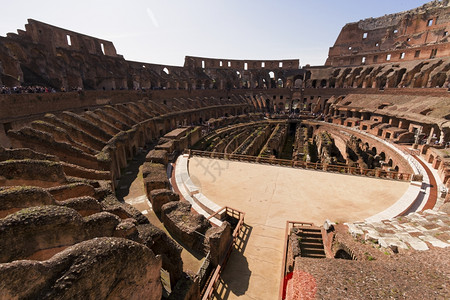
{"x": 417, "y": 231}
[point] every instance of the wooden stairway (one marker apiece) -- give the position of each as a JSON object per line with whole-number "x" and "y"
{"x": 311, "y": 242}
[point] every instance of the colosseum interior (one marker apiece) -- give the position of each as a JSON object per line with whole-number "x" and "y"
{"x": 226, "y": 179}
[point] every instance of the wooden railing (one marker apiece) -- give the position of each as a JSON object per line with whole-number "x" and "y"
{"x": 339, "y": 168}
{"x": 234, "y": 213}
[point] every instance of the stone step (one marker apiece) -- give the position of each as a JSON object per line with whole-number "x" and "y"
{"x": 310, "y": 235}
{"x": 312, "y": 251}
{"x": 311, "y": 255}
{"x": 312, "y": 244}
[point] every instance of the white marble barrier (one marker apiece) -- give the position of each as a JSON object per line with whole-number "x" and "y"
{"x": 189, "y": 191}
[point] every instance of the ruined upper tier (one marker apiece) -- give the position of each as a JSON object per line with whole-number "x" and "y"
{"x": 420, "y": 33}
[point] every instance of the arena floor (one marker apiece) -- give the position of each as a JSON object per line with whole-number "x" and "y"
{"x": 271, "y": 195}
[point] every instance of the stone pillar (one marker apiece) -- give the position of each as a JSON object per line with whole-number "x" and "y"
{"x": 430, "y": 137}
{"x": 377, "y": 172}
{"x": 364, "y": 84}
{"x": 441, "y": 137}
{"x": 219, "y": 239}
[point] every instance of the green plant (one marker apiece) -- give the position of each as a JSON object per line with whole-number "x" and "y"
{"x": 369, "y": 257}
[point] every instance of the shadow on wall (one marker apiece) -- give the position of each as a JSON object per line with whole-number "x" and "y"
{"x": 236, "y": 278}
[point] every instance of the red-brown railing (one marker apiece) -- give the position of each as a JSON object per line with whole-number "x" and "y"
{"x": 340, "y": 168}
{"x": 234, "y": 213}
{"x": 283, "y": 282}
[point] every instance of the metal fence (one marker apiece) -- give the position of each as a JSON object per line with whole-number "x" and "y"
{"x": 340, "y": 168}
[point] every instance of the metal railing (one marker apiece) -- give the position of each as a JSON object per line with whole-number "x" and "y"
{"x": 283, "y": 282}
{"x": 339, "y": 168}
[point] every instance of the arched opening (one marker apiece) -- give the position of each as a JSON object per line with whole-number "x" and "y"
{"x": 264, "y": 83}
{"x": 323, "y": 83}
{"x": 342, "y": 254}
{"x": 272, "y": 83}
{"x": 280, "y": 83}
{"x": 383, "y": 156}
{"x": 399, "y": 77}
{"x": 296, "y": 104}
{"x": 280, "y": 107}
{"x": 165, "y": 70}
{"x": 326, "y": 106}
{"x": 268, "y": 106}
{"x": 390, "y": 162}
{"x": 198, "y": 85}
{"x": 298, "y": 81}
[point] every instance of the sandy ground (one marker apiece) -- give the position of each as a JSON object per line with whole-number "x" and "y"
{"x": 272, "y": 195}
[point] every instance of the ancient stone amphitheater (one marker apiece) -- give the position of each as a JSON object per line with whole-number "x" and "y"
{"x": 97, "y": 156}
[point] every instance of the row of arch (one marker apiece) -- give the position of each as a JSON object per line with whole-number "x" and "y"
{"x": 424, "y": 74}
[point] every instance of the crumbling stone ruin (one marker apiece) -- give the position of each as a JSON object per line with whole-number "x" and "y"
{"x": 420, "y": 33}
{"x": 381, "y": 95}
{"x": 61, "y": 194}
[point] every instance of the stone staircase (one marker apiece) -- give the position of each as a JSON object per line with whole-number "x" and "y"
{"x": 418, "y": 231}
{"x": 311, "y": 243}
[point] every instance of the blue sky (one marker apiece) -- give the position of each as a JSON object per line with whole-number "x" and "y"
{"x": 157, "y": 31}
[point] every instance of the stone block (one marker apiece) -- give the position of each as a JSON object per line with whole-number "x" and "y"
{"x": 158, "y": 157}
{"x": 160, "y": 197}
{"x": 188, "y": 227}
{"x": 219, "y": 239}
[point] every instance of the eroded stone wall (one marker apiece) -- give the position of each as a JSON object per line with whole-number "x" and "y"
{"x": 420, "y": 33}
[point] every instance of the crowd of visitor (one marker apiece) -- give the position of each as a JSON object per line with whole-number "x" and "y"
{"x": 26, "y": 89}
{"x": 35, "y": 89}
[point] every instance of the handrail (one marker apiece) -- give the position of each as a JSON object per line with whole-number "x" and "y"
{"x": 215, "y": 277}
{"x": 283, "y": 282}
{"x": 341, "y": 168}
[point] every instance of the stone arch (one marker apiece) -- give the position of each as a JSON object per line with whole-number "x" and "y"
{"x": 281, "y": 80}
{"x": 390, "y": 162}
{"x": 281, "y": 106}
{"x": 280, "y": 83}
{"x": 298, "y": 81}
{"x": 289, "y": 83}
{"x": 199, "y": 84}
{"x": 268, "y": 105}
{"x": 342, "y": 254}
